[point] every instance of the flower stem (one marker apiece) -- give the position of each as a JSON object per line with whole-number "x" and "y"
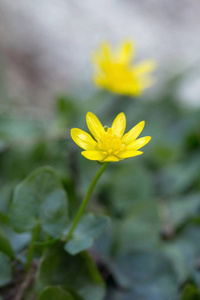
{"x": 30, "y": 252}
{"x": 86, "y": 200}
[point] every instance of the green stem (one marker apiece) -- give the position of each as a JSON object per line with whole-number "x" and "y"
{"x": 86, "y": 200}
{"x": 31, "y": 248}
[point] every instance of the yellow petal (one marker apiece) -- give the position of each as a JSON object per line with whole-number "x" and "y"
{"x": 130, "y": 136}
{"x": 126, "y": 154}
{"x": 102, "y": 55}
{"x": 139, "y": 143}
{"x": 106, "y": 51}
{"x": 93, "y": 155}
{"x": 126, "y": 52}
{"x": 144, "y": 67}
{"x": 83, "y": 139}
{"x": 115, "y": 72}
{"x": 100, "y": 80}
{"x": 111, "y": 158}
{"x": 119, "y": 125}
{"x": 130, "y": 87}
{"x": 94, "y": 125}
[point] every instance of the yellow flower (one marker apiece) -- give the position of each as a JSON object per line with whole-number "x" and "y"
{"x": 109, "y": 144}
{"x": 115, "y": 73}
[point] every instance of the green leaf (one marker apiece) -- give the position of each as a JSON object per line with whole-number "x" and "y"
{"x": 127, "y": 185}
{"x": 88, "y": 229}
{"x": 181, "y": 254}
{"x": 54, "y": 213}
{"x": 146, "y": 274}
{"x": 179, "y": 177}
{"x": 5, "y": 270}
{"x": 39, "y": 199}
{"x": 190, "y": 293}
{"x": 183, "y": 208}
{"x": 184, "y": 251}
{"x": 5, "y": 195}
{"x": 5, "y": 246}
{"x": 18, "y": 241}
{"x": 53, "y": 292}
{"x": 76, "y": 272}
{"x": 140, "y": 228}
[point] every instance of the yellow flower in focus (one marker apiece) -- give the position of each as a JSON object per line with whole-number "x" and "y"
{"x": 115, "y": 72}
{"x": 109, "y": 144}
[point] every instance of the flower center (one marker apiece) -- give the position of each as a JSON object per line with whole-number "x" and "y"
{"x": 110, "y": 143}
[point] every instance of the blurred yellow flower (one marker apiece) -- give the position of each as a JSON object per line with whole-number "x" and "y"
{"x": 109, "y": 144}
{"x": 115, "y": 72}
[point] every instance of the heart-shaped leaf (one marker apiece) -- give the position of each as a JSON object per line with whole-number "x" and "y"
{"x": 39, "y": 198}
{"x": 74, "y": 272}
{"x": 145, "y": 275}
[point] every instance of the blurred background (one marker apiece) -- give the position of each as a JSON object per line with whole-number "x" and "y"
{"x": 46, "y": 48}
{"x": 151, "y": 249}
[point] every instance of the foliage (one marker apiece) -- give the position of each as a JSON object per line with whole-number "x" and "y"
{"x": 150, "y": 249}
